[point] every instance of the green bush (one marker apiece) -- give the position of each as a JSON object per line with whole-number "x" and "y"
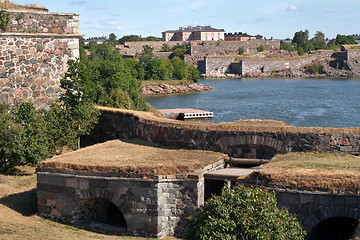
{"x": 165, "y": 48}
{"x": 300, "y": 51}
{"x": 241, "y": 50}
{"x": 286, "y": 46}
{"x": 260, "y": 48}
{"x": 243, "y": 213}
{"x": 315, "y": 68}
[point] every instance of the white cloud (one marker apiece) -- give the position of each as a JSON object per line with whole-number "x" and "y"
{"x": 86, "y": 3}
{"x": 292, "y": 8}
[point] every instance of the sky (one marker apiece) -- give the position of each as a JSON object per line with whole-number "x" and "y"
{"x": 271, "y": 18}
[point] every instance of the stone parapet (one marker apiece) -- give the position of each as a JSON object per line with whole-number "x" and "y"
{"x": 232, "y": 138}
{"x": 43, "y": 22}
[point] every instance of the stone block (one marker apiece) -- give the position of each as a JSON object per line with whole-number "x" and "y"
{"x": 72, "y": 182}
{"x": 52, "y": 180}
{"x": 306, "y": 198}
{"x": 48, "y": 188}
{"x": 83, "y": 184}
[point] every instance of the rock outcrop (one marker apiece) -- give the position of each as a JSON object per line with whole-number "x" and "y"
{"x": 165, "y": 88}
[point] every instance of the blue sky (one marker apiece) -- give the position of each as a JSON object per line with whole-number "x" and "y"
{"x": 270, "y": 18}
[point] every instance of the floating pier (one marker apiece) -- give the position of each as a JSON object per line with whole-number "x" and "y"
{"x": 186, "y": 113}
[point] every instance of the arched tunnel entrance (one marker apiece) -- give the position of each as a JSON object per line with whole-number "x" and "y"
{"x": 335, "y": 228}
{"x": 99, "y": 210}
{"x": 253, "y": 151}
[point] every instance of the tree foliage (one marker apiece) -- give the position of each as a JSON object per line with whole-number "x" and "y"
{"x": 243, "y": 213}
{"x": 301, "y": 40}
{"x": 343, "y": 39}
{"x": 286, "y": 46}
{"x": 318, "y": 41}
{"x": 179, "y": 51}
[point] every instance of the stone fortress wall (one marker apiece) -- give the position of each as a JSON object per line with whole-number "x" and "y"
{"x": 233, "y": 139}
{"x": 220, "y": 65}
{"x": 34, "y": 52}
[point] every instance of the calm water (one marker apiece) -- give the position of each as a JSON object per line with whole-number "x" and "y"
{"x": 298, "y": 102}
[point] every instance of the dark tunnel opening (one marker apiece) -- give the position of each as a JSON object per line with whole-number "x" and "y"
{"x": 335, "y": 228}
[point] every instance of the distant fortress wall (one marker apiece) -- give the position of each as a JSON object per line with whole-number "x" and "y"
{"x": 34, "y": 52}
{"x": 219, "y": 65}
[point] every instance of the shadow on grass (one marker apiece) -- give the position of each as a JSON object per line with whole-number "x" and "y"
{"x": 24, "y": 203}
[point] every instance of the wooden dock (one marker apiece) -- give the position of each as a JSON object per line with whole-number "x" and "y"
{"x": 186, "y": 113}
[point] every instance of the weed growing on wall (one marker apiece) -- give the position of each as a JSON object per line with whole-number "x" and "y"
{"x": 4, "y": 19}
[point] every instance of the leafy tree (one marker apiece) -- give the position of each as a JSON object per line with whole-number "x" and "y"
{"x": 179, "y": 51}
{"x": 260, "y": 48}
{"x": 129, "y": 38}
{"x": 168, "y": 66}
{"x": 11, "y": 141}
{"x": 80, "y": 94}
{"x": 243, "y": 213}
{"x": 286, "y": 46}
{"x": 343, "y": 39}
{"x": 156, "y": 70}
{"x": 112, "y": 39}
{"x": 301, "y": 39}
{"x": 34, "y": 139}
{"x": 318, "y": 41}
{"x": 258, "y": 36}
{"x": 165, "y": 48}
{"x": 151, "y": 38}
{"x": 194, "y": 74}
{"x": 146, "y": 55}
{"x": 300, "y": 51}
{"x": 180, "y": 71}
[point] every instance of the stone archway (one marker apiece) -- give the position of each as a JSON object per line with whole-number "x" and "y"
{"x": 332, "y": 218}
{"x": 99, "y": 210}
{"x": 251, "y": 146}
{"x": 253, "y": 151}
{"x": 334, "y": 228}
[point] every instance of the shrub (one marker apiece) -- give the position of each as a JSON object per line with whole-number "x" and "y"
{"x": 23, "y": 137}
{"x": 165, "y": 48}
{"x": 315, "y": 68}
{"x": 260, "y": 48}
{"x": 241, "y": 50}
{"x": 243, "y": 213}
{"x": 286, "y": 46}
{"x": 300, "y": 51}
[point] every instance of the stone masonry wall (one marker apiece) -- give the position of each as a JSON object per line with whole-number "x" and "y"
{"x": 237, "y": 65}
{"x": 267, "y": 66}
{"x": 313, "y": 207}
{"x": 242, "y": 143}
{"x": 153, "y": 207}
{"x": 33, "y": 56}
{"x": 43, "y": 22}
{"x": 212, "y": 48}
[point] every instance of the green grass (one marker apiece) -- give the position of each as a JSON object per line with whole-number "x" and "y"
{"x": 320, "y": 160}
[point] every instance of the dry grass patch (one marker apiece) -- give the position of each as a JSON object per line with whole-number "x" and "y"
{"x": 10, "y": 5}
{"x": 337, "y": 172}
{"x": 135, "y": 157}
{"x": 18, "y": 219}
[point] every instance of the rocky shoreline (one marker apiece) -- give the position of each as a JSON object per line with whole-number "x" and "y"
{"x": 165, "y": 88}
